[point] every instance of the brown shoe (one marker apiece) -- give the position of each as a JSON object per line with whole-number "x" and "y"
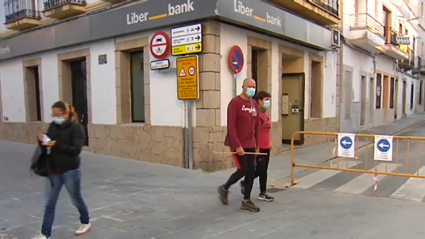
{"x": 223, "y": 195}
{"x": 249, "y": 205}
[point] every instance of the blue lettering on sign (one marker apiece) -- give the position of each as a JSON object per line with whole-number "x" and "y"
{"x": 346, "y": 142}
{"x": 383, "y": 145}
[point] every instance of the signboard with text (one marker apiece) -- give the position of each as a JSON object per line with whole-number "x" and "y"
{"x": 187, "y": 78}
{"x": 383, "y": 148}
{"x": 186, "y": 40}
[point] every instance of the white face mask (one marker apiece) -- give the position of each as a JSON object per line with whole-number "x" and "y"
{"x": 58, "y": 120}
{"x": 266, "y": 104}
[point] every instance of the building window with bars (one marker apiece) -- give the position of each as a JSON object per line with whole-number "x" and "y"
{"x": 15, "y": 10}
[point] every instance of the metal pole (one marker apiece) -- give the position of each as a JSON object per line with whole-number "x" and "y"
{"x": 235, "y": 82}
{"x": 190, "y": 132}
{"x": 186, "y": 136}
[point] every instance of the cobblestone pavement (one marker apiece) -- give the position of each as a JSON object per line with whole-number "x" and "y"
{"x": 138, "y": 200}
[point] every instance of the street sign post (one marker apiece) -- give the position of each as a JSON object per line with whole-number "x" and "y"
{"x": 236, "y": 62}
{"x": 383, "y": 148}
{"x": 160, "y": 45}
{"x": 187, "y": 78}
{"x": 236, "y": 59}
{"x": 186, "y": 40}
{"x": 346, "y": 145}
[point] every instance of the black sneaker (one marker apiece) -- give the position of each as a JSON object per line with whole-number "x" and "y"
{"x": 223, "y": 195}
{"x": 242, "y": 184}
{"x": 249, "y": 206}
{"x": 265, "y": 197}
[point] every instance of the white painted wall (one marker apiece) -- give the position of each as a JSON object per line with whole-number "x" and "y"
{"x": 329, "y": 84}
{"x": 103, "y": 83}
{"x": 229, "y": 37}
{"x": 12, "y": 90}
{"x": 50, "y": 83}
{"x": 166, "y": 109}
{"x": 235, "y": 36}
{"x": 360, "y": 62}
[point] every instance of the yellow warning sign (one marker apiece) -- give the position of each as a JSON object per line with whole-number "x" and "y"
{"x": 187, "y": 78}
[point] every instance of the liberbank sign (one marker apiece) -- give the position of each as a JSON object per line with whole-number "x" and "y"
{"x": 154, "y": 14}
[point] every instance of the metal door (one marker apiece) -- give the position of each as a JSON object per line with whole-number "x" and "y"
{"x": 292, "y": 107}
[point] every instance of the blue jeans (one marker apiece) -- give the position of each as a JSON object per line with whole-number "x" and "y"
{"x": 72, "y": 182}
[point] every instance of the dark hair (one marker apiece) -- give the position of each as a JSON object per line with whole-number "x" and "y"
{"x": 261, "y": 95}
{"x": 65, "y": 107}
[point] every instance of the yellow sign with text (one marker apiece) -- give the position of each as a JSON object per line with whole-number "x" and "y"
{"x": 187, "y": 78}
{"x": 186, "y": 49}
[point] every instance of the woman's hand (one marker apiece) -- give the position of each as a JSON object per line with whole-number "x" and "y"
{"x": 40, "y": 137}
{"x": 49, "y": 144}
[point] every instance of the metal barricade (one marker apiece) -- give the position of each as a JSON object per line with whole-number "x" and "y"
{"x": 406, "y": 161}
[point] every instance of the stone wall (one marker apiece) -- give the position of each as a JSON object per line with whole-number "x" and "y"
{"x": 156, "y": 144}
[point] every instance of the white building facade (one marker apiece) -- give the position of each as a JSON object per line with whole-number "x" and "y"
{"x": 381, "y": 66}
{"x": 98, "y": 58}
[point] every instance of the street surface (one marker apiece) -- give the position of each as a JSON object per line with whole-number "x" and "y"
{"x": 410, "y": 159}
{"x": 137, "y": 200}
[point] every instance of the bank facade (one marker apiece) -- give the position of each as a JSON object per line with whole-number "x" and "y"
{"x": 97, "y": 56}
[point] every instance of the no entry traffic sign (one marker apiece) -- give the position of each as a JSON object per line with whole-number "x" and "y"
{"x": 236, "y": 59}
{"x": 160, "y": 45}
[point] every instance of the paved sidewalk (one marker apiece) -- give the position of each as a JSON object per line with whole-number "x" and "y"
{"x": 137, "y": 200}
{"x": 279, "y": 167}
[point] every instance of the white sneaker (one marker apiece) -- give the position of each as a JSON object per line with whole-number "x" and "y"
{"x": 40, "y": 237}
{"x": 82, "y": 229}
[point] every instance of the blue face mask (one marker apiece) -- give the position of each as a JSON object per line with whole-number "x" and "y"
{"x": 250, "y": 92}
{"x": 266, "y": 104}
{"x": 58, "y": 120}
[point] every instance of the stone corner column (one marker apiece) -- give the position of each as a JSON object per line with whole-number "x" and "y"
{"x": 208, "y": 134}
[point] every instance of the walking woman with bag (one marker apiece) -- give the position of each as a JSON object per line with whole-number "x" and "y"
{"x": 64, "y": 141}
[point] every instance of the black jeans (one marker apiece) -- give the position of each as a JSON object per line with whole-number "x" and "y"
{"x": 245, "y": 165}
{"x": 262, "y": 165}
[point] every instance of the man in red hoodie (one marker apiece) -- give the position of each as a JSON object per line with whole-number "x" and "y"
{"x": 242, "y": 137}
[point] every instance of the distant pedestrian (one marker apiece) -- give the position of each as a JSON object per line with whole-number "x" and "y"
{"x": 242, "y": 137}
{"x": 65, "y": 139}
{"x": 265, "y": 144}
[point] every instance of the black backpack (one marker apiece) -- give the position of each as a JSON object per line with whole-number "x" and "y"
{"x": 40, "y": 164}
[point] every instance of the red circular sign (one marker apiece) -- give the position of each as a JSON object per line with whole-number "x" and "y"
{"x": 236, "y": 59}
{"x": 160, "y": 45}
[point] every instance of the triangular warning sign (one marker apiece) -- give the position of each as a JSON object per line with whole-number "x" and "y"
{"x": 182, "y": 73}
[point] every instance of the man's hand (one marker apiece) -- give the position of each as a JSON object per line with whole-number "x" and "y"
{"x": 240, "y": 151}
{"x": 49, "y": 144}
{"x": 40, "y": 137}
{"x": 257, "y": 151}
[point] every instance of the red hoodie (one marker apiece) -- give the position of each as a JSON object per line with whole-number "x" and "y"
{"x": 265, "y": 126}
{"x": 243, "y": 124}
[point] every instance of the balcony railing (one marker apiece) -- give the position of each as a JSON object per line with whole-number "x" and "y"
{"x": 389, "y": 33}
{"x": 366, "y": 22}
{"x": 50, "y": 4}
{"x": 331, "y": 6}
{"x": 15, "y": 10}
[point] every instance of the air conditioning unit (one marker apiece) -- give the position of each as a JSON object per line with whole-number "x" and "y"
{"x": 336, "y": 38}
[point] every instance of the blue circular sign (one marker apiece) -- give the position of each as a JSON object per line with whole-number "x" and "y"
{"x": 236, "y": 59}
{"x": 346, "y": 142}
{"x": 383, "y": 145}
